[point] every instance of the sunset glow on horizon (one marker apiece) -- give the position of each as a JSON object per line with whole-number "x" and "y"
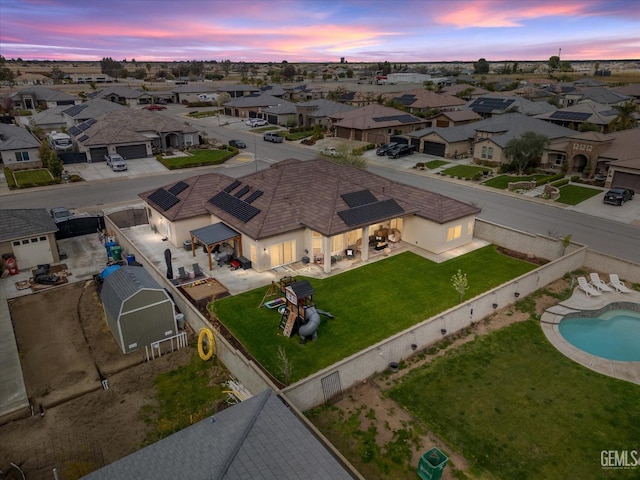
{"x": 320, "y": 31}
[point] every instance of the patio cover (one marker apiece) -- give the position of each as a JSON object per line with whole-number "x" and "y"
{"x": 213, "y": 235}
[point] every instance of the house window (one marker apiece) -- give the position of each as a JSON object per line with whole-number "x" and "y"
{"x": 22, "y": 156}
{"x": 316, "y": 243}
{"x": 484, "y": 152}
{"x": 16, "y": 244}
{"x": 490, "y": 155}
{"x": 188, "y": 140}
{"x": 42, "y": 239}
{"x": 25, "y": 242}
{"x": 454, "y": 232}
{"x": 34, "y": 240}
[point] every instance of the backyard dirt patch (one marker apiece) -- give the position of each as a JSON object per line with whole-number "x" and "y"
{"x": 66, "y": 349}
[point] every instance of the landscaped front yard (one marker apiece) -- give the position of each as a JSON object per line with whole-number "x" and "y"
{"x": 574, "y": 194}
{"x": 198, "y": 158}
{"x": 33, "y": 178}
{"x": 369, "y": 304}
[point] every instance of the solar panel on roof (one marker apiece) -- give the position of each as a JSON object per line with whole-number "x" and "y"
{"x": 91, "y": 121}
{"x": 254, "y": 196}
{"x": 405, "y": 118}
{"x": 234, "y": 206}
{"x": 83, "y": 138}
{"x": 370, "y": 213}
{"x": 231, "y": 187}
{"x": 177, "y": 188}
{"x": 163, "y": 199}
{"x": 74, "y": 131}
{"x": 76, "y": 109}
{"x": 487, "y": 105}
{"x": 573, "y": 116}
{"x": 241, "y": 192}
{"x": 406, "y": 99}
{"x": 83, "y": 126}
{"x": 357, "y": 199}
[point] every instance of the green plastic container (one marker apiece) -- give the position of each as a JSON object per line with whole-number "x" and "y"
{"x": 432, "y": 464}
{"x": 116, "y": 253}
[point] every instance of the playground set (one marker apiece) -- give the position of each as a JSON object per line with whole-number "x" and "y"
{"x": 298, "y": 312}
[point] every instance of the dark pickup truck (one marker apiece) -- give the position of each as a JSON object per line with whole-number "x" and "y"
{"x": 617, "y": 196}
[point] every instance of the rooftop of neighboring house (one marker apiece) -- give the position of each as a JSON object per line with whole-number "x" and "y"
{"x": 94, "y": 108}
{"x": 119, "y": 91}
{"x": 25, "y": 222}
{"x": 501, "y": 103}
{"x": 424, "y": 99}
{"x": 375, "y": 116}
{"x": 591, "y": 112}
{"x": 13, "y": 137}
{"x": 255, "y": 100}
{"x": 325, "y": 108}
{"x": 317, "y": 194}
{"x": 44, "y": 94}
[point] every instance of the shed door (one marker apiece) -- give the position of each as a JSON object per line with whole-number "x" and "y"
{"x": 434, "y": 148}
{"x": 129, "y": 152}
{"x": 626, "y": 180}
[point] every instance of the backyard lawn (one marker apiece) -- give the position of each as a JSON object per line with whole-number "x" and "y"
{"x": 516, "y": 408}
{"x": 574, "y": 194}
{"x": 369, "y": 304}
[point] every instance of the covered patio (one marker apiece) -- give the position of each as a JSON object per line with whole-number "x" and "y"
{"x": 215, "y": 235}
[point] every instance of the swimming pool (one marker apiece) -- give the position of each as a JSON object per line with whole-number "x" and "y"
{"x": 613, "y": 334}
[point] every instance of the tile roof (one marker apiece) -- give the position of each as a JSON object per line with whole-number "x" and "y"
{"x": 256, "y": 100}
{"x": 46, "y": 94}
{"x": 325, "y": 108}
{"x": 95, "y": 108}
{"x": 498, "y": 104}
{"x": 258, "y": 439}
{"x": 299, "y": 194}
{"x": 625, "y": 146}
{"x": 425, "y": 99}
{"x": 13, "y": 137}
{"x": 25, "y": 222}
{"x": 598, "y": 113}
{"x": 374, "y": 116}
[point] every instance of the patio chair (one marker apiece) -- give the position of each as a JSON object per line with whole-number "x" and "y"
{"x": 597, "y": 282}
{"x": 182, "y": 274}
{"x": 197, "y": 271}
{"x": 615, "y": 282}
{"x": 586, "y": 288}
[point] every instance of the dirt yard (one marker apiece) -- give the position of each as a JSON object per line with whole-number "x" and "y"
{"x": 66, "y": 349}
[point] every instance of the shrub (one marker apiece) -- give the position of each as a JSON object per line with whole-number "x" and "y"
{"x": 560, "y": 183}
{"x": 575, "y": 178}
{"x": 552, "y": 178}
{"x": 8, "y": 175}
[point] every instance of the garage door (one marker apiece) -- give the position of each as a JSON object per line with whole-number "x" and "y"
{"x": 626, "y": 180}
{"x": 32, "y": 251}
{"x": 434, "y": 148}
{"x": 97, "y": 154}
{"x": 130, "y": 152}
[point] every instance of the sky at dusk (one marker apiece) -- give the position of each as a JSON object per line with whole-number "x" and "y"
{"x": 320, "y": 30}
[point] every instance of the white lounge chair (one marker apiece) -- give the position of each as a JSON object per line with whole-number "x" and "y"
{"x": 586, "y": 288}
{"x": 597, "y": 282}
{"x": 615, "y": 282}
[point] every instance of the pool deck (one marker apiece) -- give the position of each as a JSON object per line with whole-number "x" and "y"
{"x": 578, "y": 302}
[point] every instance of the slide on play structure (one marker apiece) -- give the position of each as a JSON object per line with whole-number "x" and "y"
{"x": 312, "y": 317}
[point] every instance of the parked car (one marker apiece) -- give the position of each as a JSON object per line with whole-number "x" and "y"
{"x": 237, "y": 144}
{"x": 400, "y": 151}
{"x": 273, "y": 137}
{"x": 60, "y": 214}
{"x": 257, "y": 122}
{"x": 617, "y": 196}
{"x": 383, "y": 149}
{"x": 330, "y": 152}
{"x": 155, "y": 107}
{"x": 116, "y": 162}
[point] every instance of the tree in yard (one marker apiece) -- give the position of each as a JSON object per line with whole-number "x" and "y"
{"x": 288, "y": 72}
{"x": 625, "y": 119}
{"x": 554, "y": 63}
{"x": 111, "y": 67}
{"x": 525, "y": 149}
{"x": 481, "y": 66}
{"x": 226, "y": 66}
{"x": 460, "y": 283}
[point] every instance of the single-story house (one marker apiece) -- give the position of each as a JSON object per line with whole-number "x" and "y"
{"x": 189, "y": 93}
{"x": 305, "y": 93}
{"x": 464, "y": 90}
{"x": 131, "y": 134}
{"x": 484, "y": 139}
{"x": 599, "y": 94}
{"x": 19, "y": 148}
{"x": 33, "y": 98}
{"x": 422, "y": 100}
{"x": 454, "y": 118}
{"x": 29, "y": 235}
{"x": 374, "y": 123}
{"x": 239, "y": 90}
{"x": 251, "y": 106}
{"x": 33, "y": 79}
{"x": 91, "y": 109}
{"x": 48, "y": 120}
{"x": 587, "y": 112}
{"x": 282, "y": 114}
{"x": 592, "y": 153}
{"x": 313, "y": 209}
{"x": 259, "y": 438}
{"x": 138, "y": 310}
{"x": 318, "y": 112}
{"x": 124, "y": 95}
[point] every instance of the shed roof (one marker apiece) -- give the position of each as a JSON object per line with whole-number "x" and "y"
{"x": 259, "y": 438}
{"x": 123, "y": 284}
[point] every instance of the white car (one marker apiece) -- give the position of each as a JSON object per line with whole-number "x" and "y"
{"x": 257, "y": 122}
{"x": 330, "y": 152}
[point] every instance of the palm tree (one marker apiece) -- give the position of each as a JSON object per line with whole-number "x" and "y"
{"x": 626, "y": 118}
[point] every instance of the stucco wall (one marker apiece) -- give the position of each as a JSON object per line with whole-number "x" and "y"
{"x": 432, "y": 236}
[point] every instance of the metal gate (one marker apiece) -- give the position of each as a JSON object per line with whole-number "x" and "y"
{"x": 331, "y": 388}
{"x": 69, "y": 158}
{"x": 75, "y": 227}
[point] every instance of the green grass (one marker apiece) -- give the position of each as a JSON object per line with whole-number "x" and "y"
{"x": 515, "y": 407}
{"x": 574, "y": 194}
{"x": 464, "y": 171}
{"x": 33, "y": 178}
{"x": 298, "y": 135}
{"x": 210, "y": 113}
{"x": 369, "y": 303}
{"x": 502, "y": 181}
{"x": 184, "y": 396}
{"x": 199, "y": 158}
{"x": 435, "y": 164}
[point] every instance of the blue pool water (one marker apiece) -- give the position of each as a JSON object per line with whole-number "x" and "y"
{"x": 614, "y": 335}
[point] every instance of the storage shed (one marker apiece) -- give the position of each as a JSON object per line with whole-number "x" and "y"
{"x": 139, "y": 311}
